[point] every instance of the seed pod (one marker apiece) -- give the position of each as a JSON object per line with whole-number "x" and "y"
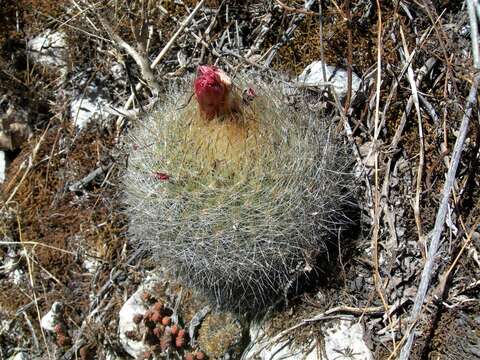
{"x": 179, "y": 342}
{"x": 165, "y": 341}
{"x": 166, "y": 321}
{"x": 199, "y": 355}
{"x": 158, "y": 306}
{"x": 137, "y": 318}
{"x": 85, "y": 353}
{"x": 158, "y": 332}
{"x": 189, "y": 356}
{"x": 156, "y": 317}
{"x": 63, "y": 340}
{"x": 59, "y": 329}
{"x": 148, "y": 315}
{"x": 131, "y": 334}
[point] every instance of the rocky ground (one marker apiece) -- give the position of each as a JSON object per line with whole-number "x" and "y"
{"x": 401, "y": 86}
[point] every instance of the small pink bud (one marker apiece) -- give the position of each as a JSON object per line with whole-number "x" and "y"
{"x": 161, "y": 176}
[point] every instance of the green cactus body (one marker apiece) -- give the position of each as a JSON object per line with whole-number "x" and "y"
{"x": 232, "y": 205}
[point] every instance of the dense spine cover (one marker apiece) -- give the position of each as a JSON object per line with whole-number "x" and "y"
{"x": 233, "y": 202}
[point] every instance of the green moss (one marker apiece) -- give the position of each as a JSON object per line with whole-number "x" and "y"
{"x": 219, "y": 333}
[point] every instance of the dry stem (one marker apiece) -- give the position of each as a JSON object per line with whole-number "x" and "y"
{"x": 427, "y": 272}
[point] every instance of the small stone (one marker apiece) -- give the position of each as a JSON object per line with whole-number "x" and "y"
{"x": 132, "y": 307}
{"x": 3, "y": 167}
{"x": 312, "y": 76}
{"x": 48, "y": 48}
{"x": 50, "y": 319}
{"x": 21, "y": 356}
{"x": 63, "y": 340}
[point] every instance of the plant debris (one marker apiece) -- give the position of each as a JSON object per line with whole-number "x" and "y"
{"x": 414, "y": 140}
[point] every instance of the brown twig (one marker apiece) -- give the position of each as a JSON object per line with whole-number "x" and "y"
{"x": 294, "y": 23}
{"x": 421, "y": 160}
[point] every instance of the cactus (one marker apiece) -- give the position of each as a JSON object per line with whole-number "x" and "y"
{"x": 233, "y": 204}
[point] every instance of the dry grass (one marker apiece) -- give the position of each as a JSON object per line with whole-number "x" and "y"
{"x": 50, "y": 215}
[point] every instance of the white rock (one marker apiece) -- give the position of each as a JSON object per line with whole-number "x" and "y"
{"x": 118, "y": 73}
{"x": 91, "y": 265}
{"x": 85, "y": 109}
{"x": 19, "y": 356}
{"x": 312, "y": 76}
{"x": 3, "y": 166}
{"x": 50, "y": 319}
{"x": 10, "y": 262}
{"x": 133, "y": 306}
{"x": 261, "y": 348}
{"x": 17, "y": 276}
{"x": 341, "y": 338}
{"x": 48, "y": 48}
{"x": 346, "y": 337}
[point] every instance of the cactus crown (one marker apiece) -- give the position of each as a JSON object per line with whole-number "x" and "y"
{"x": 212, "y": 90}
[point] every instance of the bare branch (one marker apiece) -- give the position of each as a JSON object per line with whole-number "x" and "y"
{"x": 440, "y": 220}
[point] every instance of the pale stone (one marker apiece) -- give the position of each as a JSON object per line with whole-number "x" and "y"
{"x": 50, "y": 319}
{"x": 48, "y": 48}
{"x": 312, "y": 76}
{"x": 341, "y": 338}
{"x": 3, "y": 167}
{"x": 134, "y": 305}
{"x": 85, "y": 109}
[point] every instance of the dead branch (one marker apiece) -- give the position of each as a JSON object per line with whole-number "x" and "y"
{"x": 474, "y": 31}
{"x": 162, "y": 53}
{"x": 440, "y": 220}
{"x": 141, "y": 60}
{"x": 89, "y": 178}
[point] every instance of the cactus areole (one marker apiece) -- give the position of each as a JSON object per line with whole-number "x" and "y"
{"x": 212, "y": 90}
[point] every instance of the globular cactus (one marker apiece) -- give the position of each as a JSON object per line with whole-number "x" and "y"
{"x": 233, "y": 193}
